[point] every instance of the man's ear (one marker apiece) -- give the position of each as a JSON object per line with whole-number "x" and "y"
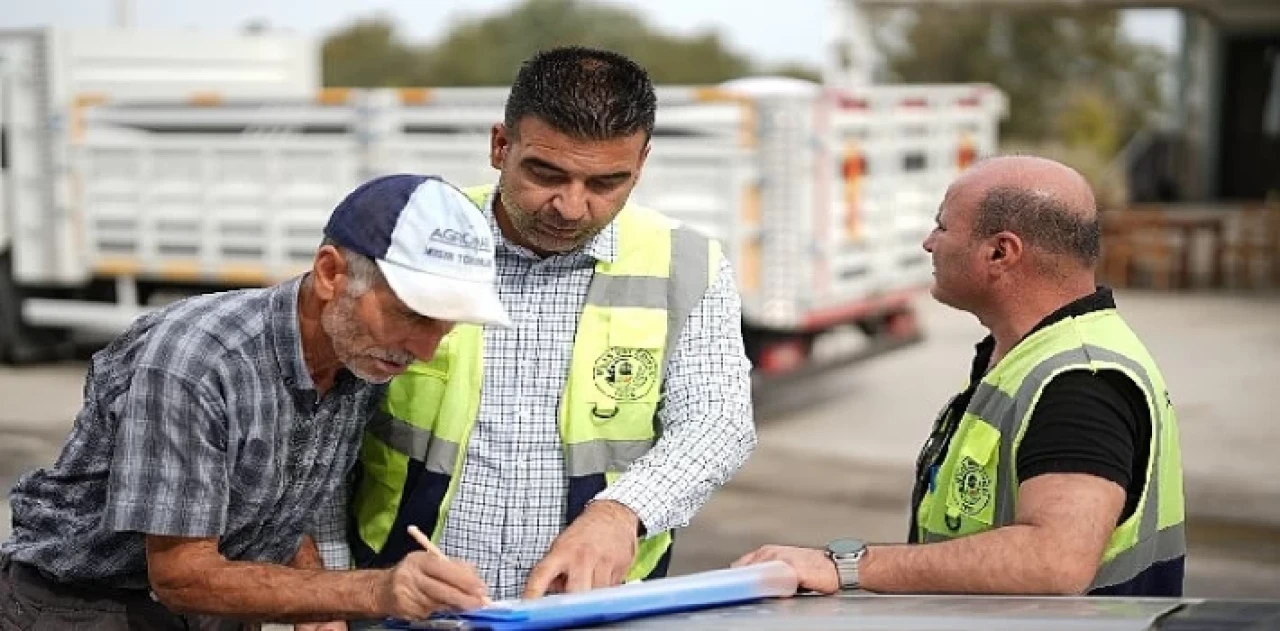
{"x": 499, "y": 144}
{"x": 1007, "y": 249}
{"x": 329, "y": 273}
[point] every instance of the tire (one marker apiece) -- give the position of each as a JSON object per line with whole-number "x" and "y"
{"x": 10, "y": 311}
{"x": 19, "y": 343}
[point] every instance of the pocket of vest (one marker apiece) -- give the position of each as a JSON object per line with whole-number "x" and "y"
{"x": 972, "y": 479}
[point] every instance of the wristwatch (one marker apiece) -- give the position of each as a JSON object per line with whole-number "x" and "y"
{"x": 847, "y": 555}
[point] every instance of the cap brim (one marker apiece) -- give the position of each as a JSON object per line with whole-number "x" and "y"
{"x": 445, "y": 298}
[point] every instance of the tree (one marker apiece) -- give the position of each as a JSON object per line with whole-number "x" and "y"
{"x": 488, "y": 50}
{"x": 370, "y": 54}
{"x": 793, "y": 70}
{"x": 1061, "y": 67}
{"x": 1087, "y": 119}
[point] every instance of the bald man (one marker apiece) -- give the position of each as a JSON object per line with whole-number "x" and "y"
{"x": 1057, "y": 470}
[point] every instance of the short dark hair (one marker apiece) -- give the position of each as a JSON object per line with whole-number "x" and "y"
{"x": 586, "y": 93}
{"x": 1041, "y": 220}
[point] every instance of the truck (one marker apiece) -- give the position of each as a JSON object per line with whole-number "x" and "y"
{"x": 821, "y": 195}
{"x": 49, "y": 77}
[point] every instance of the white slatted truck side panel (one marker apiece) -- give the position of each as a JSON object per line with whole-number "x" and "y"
{"x": 774, "y": 319}
{"x": 444, "y": 131}
{"x": 38, "y": 248}
{"x": 215, "y": 195}
{"x": 850, "y": 184}
{"x": 902, "y": 147}
{"x": 821, "y": 203}
{"x": 702, "y": 170}
{"x": 5, "y": 90}
{"x": 47, "y": 77}
{"x": 28, "y": 205}
{"x": 50, "y": 73}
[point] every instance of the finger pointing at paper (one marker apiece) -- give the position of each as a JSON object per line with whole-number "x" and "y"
{"x": 594, "y": 551}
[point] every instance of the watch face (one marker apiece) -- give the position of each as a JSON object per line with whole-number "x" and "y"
{"x": 845, "y": 546}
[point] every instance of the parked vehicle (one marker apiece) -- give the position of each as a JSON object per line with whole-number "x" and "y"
{"x": 821, "y": 196}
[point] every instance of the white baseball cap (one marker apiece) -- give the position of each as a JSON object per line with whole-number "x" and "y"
{"x": 432, "y": 243}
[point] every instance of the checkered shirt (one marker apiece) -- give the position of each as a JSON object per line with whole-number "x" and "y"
{"x": 510, "y": 503}
{"x": 201, "y": 420}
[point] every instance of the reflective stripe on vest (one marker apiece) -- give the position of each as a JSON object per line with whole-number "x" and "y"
{"x": 961, "y": 490}
{"x": 635, "y": 309}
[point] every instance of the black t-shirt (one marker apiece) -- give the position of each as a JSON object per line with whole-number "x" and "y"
{"x": 1084, "y": 422}
{"x": 1094, "y": 423}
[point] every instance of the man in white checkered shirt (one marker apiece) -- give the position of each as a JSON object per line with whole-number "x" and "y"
{"x": 570, "y": 150}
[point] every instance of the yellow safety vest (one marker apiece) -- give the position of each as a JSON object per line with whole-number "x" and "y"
{"x": 976, "y": 486}
{"x": 413, "y": 451}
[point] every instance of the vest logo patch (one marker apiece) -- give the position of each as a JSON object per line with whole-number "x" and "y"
{"x": 626, "y": 374}
{"x": 972, "y": 486}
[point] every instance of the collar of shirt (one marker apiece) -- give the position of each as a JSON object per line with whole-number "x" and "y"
{"x": 286, "y": 336}
{"x": 602, "y": 247}
{"x": 1099, "y": 300}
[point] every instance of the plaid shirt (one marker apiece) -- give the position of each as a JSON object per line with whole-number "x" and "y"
{"x": 201, "y": 420}
{"x": 510, "y": 503}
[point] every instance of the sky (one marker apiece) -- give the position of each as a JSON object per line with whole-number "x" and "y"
{"x": 766, "y": 35}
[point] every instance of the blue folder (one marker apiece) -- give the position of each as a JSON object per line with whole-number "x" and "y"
{"x": 633, "y": 600}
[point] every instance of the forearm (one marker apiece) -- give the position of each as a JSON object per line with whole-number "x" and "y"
{"x": 1017, "y": 559}
{"x": 668, "y": 485}
{"x": 257, "y": 591}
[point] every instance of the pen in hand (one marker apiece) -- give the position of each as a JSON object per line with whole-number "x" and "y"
{"x": 425, "y": 541}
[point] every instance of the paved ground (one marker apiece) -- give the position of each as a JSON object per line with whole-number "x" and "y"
{"x": 836, "y": 449}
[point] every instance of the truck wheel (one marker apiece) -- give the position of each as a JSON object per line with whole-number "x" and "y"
{"x": 10, "y": 310}
{"x": 19, "y": 343}
{"x": 897, "y": 324}
{"x": 773, "y": 353}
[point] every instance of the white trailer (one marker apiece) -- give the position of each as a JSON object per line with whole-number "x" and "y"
{"x": 134, "y": 173}
{"x": 48, "y": 78}
{"x": 821, "y": 196}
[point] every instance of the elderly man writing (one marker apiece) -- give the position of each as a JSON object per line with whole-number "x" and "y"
{"x": 213, "y": 428}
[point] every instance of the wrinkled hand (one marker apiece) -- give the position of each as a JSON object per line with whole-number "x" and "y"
{"x": 596, "y": 550}
{"x": 321, "y": 626}
{"x": 425, "y": 582}
{"x": 815, "y": 569}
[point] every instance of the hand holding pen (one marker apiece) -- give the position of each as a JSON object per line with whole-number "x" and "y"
{"x": 427, "y": 581}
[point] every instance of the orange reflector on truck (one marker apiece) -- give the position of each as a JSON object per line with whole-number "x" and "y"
{"x": 852, "y": 167}
{"x": 415, "y": 96}
{"x": 333, "y": 96}
{"x": 205, "y": 99}
{"x": 967, "y": 153}
{"x": 751, "y": 264}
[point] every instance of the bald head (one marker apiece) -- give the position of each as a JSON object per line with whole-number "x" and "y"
{"x": 1040, "y": 177}
{"x": 1046, "y": 203}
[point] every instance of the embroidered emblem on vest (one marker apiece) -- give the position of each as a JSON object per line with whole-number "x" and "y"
{"x": 626, "y": 374}
{"x": 973, "y": 486}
